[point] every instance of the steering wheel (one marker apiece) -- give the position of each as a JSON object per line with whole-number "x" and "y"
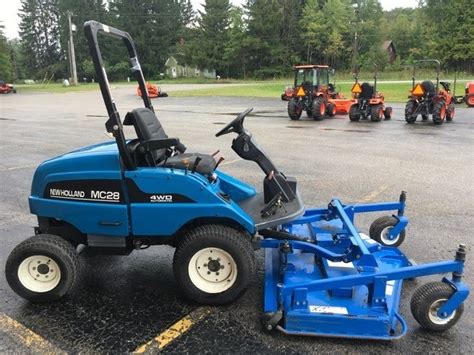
{"x": 236, "y": 125}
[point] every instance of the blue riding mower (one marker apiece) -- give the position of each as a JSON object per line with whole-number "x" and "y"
{"x": 322, "y": 275}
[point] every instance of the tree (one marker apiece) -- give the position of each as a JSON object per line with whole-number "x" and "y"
{"x": 208, "y": 46}
{"x": 327, "y": 31}
{"x": 236, "y": 48}
{"x": 39, "y": 33}
{"x": 268, "y": 55}
{"x": 81, "y": 11}
{"x": 448, "y": 25}
{"x": 5, "y": 59}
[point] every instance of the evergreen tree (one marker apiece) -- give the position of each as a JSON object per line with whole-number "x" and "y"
{"x": 208, "y": 46}
{"x": 5, "y": 60}
{"x": 268, "y": 56}
{"x": 39, "y": 33}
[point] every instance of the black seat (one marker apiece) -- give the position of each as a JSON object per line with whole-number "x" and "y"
{"x": 148, "y": 128}
{"x": 428, "y": 87}
{"x": 367, "y": 91}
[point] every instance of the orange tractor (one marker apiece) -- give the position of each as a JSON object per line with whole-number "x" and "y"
{"x": 469, "y": 97}
{"x": 153, "y": 91}
{"x": 6, "y": 88}
{"x": 313, "y": 93}
{"x": 426, "y": 98}
{"x": 370, "y": 103}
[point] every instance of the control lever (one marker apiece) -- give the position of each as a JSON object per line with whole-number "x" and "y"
{"x": 272, "y": 206}
{"x": 221, "y": 159}
{"x": 196, "y": 163}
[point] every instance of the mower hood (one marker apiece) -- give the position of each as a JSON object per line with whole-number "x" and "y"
{"x": 100, "y": 160}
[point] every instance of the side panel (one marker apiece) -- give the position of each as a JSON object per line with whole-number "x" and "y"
{"x": 162, "y": 200}
{"x": 93, "y": 206}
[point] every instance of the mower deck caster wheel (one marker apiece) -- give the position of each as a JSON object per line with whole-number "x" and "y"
{"x": 214, "y": 264}
{"x": 380, "y": 228}
{"x": 43, "y": 268}
{"x": 427, "y": 300}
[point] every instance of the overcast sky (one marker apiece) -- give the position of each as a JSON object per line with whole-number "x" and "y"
{"x": 9, "y": 11}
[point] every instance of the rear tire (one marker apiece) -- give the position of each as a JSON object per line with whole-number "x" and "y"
{"x": 470, "y": 100}
{"x": 376, "y": 113}
{"x": 318, "y": 109}
{"x": 425, "y": 303}
{"x": 387, "y": 113}
{"x": 410, "y": 109}
{"x": 214, "y": 264}
{"x": 43, "y": 268}
{"x": 379, "y": 231}
{"x": 294, "y": 109}
{"x": 439, "y": 112}
{"x": 354, "y": 113}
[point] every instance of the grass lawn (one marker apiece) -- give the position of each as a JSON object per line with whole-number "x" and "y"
{"x": 394, "y": 92}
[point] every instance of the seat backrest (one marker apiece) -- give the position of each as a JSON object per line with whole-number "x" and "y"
{"x": 147, "y": 126}
{"x": 428, "y": 87}
{"x": 367, "y": 91}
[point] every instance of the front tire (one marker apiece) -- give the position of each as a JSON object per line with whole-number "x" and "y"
{"x": 318, "y": 109}
{"x": 354, "y": 113}
{"x": 427, "y": 300}
{"x": 439, "y": 112}
{"x": 331, "y": 109}
{"x": 380, "y": 228}
{"x": 294, "y": 109}
{"x": 450, "y": 112}
{"x": 43, "y": 268}
{"x": 376, "y": 113}
{"x": 214, "y": 264}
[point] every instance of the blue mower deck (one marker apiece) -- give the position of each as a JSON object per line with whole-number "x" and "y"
{"x": 341, "y": 283}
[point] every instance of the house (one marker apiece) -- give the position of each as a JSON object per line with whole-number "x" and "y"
{"x": 389, "y": 47}
{"x": 174, "y": 69}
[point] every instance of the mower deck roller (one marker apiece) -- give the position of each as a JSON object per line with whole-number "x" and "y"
{"x": 327, "y": 279}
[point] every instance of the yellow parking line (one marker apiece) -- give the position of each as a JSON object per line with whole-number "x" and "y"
{"x": 26, "y": 337}
{"x": 174, "y": 331}
{"x": 17, "y": 167}
{"x": 374, "y": 194}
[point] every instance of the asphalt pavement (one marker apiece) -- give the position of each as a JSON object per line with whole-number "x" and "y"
{"x": 125, "y": 302}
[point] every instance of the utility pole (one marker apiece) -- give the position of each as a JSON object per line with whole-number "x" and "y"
{"x": 355, "y": 5}
{"x": 72, "y": 55}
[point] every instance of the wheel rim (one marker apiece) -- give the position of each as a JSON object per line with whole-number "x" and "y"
{"x": 322, "y": 109}
{"x": 385, "y": 237}
{"x": 212, "y": 270}
{"x": 380, "y": 112}
{"x": 433, "y": 313}
{"x": 39, "y": 273}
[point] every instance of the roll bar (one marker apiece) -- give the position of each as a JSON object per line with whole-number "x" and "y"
{"x": 114, "y": 124}
{"x": 438, "y": 70}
